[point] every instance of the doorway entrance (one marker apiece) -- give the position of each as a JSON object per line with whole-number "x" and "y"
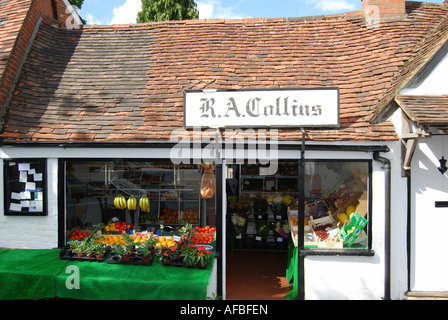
{"x": 258, "y": 234}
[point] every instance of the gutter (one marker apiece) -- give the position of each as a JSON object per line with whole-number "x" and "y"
{"x": 386, "y": 167}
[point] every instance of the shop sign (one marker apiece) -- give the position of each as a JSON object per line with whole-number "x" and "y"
{"x": 275, "y": 108}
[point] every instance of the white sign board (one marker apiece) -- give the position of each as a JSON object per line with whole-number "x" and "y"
{"x": 316, "y": 107}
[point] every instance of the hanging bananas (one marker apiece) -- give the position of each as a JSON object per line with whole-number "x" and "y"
{"x": 120, "y": 202}
{"x": 132, "y": 203}
{"x": 144, "y": 203}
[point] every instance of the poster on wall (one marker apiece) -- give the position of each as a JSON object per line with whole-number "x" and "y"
{"x": 25, "y": 187}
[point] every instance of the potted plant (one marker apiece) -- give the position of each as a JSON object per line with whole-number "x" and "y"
{"x": 89, "y": 249}
{"x": 190, "y": 255}
{"x": 145, "y": 252}
{"x": 122, "y": 252}
{"x": 177, "y": 257}
{"x": 100, "y": 250}
{"x": 166, "y": 255}
{"x": 80, "y": 248}
{"x": 203, "y": 257}
{"x": 74, "y": 245}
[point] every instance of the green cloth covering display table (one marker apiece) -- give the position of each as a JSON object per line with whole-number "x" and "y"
{"x": 292, "y": 271}
{"x": 28, "y": 274}
{"x": 39, "y": 274}
{"x": 132, "y": 282}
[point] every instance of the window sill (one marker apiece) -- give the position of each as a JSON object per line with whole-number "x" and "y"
{"x": 337, "y": 252}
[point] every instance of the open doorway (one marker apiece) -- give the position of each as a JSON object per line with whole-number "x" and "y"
{"x": 258, "y": 234}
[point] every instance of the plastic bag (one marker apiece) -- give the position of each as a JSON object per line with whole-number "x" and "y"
{"x": 208, "y": 183}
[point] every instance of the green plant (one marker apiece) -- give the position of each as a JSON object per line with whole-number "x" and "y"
{"x": 190, "y": 254}
{"x": 143, "y": 250}
{"x": 89, "y": 248}
{"x": 146, "y": 248}
{"x": 120, "y": 250}
{"x": 99, "y": 248}
{"x": 166, "y": 253}
{"x": 203, "y": 256}
{"x": 74, "y": 244}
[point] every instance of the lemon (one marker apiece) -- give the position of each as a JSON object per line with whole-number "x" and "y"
{"x": 350, "y": 209}
{"x": 342, "y": 217}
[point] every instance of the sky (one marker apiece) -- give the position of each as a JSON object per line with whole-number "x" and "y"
{"x": 106, "y": 12}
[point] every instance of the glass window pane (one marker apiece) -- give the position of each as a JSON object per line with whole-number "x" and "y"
{"x": 336, "y": 198}
{"x": 173, "y": 193}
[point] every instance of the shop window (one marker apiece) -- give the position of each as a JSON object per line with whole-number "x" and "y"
{"x": 336, "y": 204}
{"x": 336, "y": 209}
{"x": 25, "y": 190}
{"x": 173, "y": 194}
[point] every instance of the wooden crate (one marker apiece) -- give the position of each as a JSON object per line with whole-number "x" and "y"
{"x": 333, "y": 242}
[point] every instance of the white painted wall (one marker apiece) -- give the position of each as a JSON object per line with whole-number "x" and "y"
{"x": 429, "y": 257}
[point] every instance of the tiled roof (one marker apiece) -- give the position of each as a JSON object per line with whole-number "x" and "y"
{"x": 424, "y": 51}
{"x": 126, "y": 82}
{"x": 427, "y": 111}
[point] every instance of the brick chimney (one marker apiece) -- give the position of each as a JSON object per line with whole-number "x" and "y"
{"x": 386, "y": 9}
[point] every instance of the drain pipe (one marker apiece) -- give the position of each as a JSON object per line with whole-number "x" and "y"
{"x": 386, "y": 167}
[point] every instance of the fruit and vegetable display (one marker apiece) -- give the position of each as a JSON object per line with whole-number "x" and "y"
{"x": 192, "y": 248}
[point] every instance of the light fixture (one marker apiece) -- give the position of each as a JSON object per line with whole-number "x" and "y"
{"x": 442, "y": 167}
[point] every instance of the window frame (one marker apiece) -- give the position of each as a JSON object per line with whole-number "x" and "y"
{"x": 368, "y": 251}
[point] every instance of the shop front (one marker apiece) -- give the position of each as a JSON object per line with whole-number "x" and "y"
{"x": 287, "y": 151}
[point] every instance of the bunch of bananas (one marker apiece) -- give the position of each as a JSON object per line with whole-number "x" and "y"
{"x": 120, "y": 202}
{"x": 144, "y": 203}
{"x": 132, "y": 203}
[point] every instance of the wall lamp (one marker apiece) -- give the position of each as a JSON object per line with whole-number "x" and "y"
{"x": 442, "y": 167}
